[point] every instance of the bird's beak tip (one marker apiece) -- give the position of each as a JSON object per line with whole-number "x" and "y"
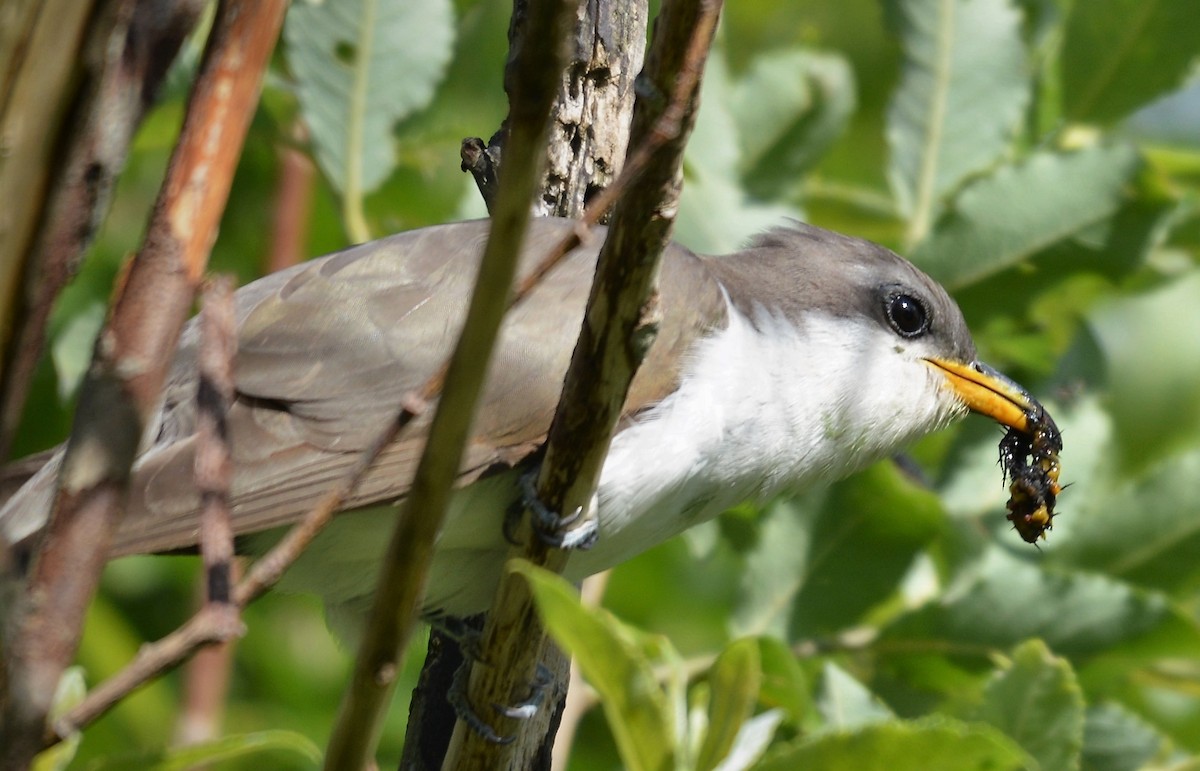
{"x": 987, "y": 392}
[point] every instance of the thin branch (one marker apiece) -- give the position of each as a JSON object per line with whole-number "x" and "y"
{"x": 618, "y": 327}
{"x": 394, "y": 613}
{"x": 214, "y": 464}
{"x": 129, "y": 366}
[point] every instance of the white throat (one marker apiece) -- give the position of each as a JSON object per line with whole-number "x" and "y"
{"x": 763, "y": 407}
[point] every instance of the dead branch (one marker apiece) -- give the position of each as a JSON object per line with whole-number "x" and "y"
{"x": 129, "y": 365}
{"x": 618, "y": 327}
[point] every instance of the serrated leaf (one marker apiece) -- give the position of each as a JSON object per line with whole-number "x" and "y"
{"x": 360, "y": 67}
{"x": 933, "y": 744}
{"x": 1006, "y": 600}
{"x": 789, "y": 108}
{"x": 962, "y": 92}
{"x": 1038, "y": 703}
{"x": 845, "y": 703}
{"x": 1018, "y": 210}
{"x": 734, "y": 682}
{"x": 1115, "y": 739}
{"x": 1117, "y": 55}
{"x": 615, "y": 662}
{"x": 217, "y": 751}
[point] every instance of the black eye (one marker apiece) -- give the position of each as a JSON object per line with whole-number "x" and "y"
{"x": 906, "y": 314}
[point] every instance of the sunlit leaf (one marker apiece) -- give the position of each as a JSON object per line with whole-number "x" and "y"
{"x": 360, "y": 67}
{"x": 223, "y": 750}
{"x": 845, "y": 703}
{"x": 1016, "y": 211}
{"x": 616, "y": 663}
{"x": 733, "y": 683}
{"x": 715, "y": 213}
{"x": 962, "y": 92}
{"x": 932, "y": 744}
{"x": 784, "y": 683}
{"x": 1038, "y": 703}
{"x": 1117, "y": 55}
{"x": 70, "y": 692}
{"x": 790, "y": 107}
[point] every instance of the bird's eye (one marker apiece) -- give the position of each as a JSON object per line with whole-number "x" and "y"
{"x": 906, "y": 314}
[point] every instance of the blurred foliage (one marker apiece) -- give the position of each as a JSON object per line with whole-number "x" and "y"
{"x": 1041, "y": 157}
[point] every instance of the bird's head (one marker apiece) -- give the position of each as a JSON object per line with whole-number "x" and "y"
{"x": 875, "y": 347}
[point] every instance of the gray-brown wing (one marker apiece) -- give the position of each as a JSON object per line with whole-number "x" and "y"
{"x": 328, "y": 350}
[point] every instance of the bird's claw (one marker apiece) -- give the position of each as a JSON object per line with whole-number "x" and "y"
{"x": 522, "y": 711}
{"x": 570, "y": 532}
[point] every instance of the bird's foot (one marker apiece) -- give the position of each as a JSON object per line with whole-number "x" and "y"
{"x": 467, "y": 633}
{"x": 523, "y": 711}
{"x": 570, "y": 532}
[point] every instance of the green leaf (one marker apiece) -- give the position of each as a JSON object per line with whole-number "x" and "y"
{"x": 846, "y": 703}
{"x": 715, "y": 214}
{"x": 1038, "y": 702}
{"x": 734, "y": 682}
{"x": 71, "y": 350}
{"x": 70, "y": 691}
{"x": 361, "y": 66}
{"x": 217, "y": 751}
{"x": 790, "y": 107}
{"x": 614, "y": 659}
{"x": 1117, "y": 55}
{"x": 1152, "y": 353}
{"x": 962, "y": 92}
{"x": 1144, "y": 531}
{"x": 932, "y": 744}
{"x": 824, "y": 560}
{"x": 1115, "y": 739}
{"x": 1004, "y": 600}
{"x": 784, "y": 683}
{"x": 1018, "y": 210}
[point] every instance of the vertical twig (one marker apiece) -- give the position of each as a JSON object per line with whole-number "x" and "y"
{"x": 129, "y": 365}
{"x": 618, "y": 328}
{"x": 214, "y": 467}
{"x": 402, "y": 580}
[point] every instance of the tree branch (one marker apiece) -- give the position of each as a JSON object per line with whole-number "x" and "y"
{"x": 618, "y": 327}
{"x": 129, "y": 51}
{"x": 133, "y": 352}
{"x": 401, "y": 587}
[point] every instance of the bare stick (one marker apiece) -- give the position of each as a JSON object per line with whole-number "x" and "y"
{"x": 617, "y": 330}
{"x": 214, "y": 467}
{"x": 129, "y": 366}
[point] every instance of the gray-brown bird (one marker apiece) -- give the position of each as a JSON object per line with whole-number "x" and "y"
{"x": 791, "y": 363}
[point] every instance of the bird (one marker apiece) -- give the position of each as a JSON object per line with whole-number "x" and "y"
{"x": 788, "y": 364}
